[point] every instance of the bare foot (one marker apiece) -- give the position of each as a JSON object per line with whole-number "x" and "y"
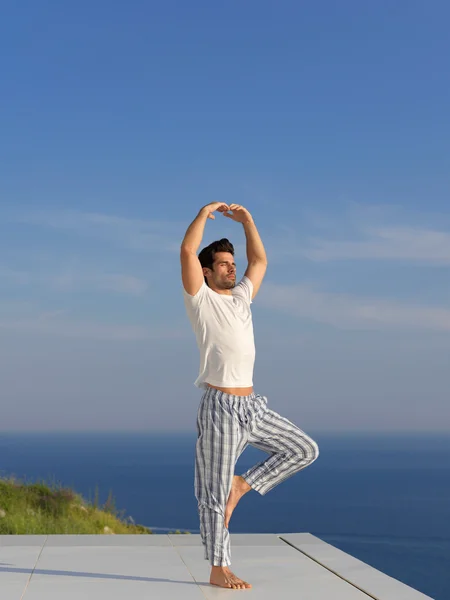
{"x": 239, "y": 487}
{"x": 223, "y": 577}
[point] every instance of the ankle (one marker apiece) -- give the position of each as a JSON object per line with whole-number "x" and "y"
{"x": 243, "y": 484}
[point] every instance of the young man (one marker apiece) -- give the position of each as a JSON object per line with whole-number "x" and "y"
{"x": 231, "y": 415}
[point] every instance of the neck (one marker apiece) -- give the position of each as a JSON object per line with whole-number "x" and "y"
{"x": 220, "y": 291}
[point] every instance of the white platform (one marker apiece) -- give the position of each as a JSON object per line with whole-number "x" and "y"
{"x": 172, "y": 567}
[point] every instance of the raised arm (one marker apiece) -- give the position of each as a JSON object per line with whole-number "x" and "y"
{"x": 256, "y": 254}
{"x": 191, "y": 269}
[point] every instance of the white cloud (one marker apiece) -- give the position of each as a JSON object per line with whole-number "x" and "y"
{"x": 78, "y": 330}
{"x": 387, "y": 243}
{"x": 134, "y": 234}
{"x": 125, "y": 284}
{"x": 352, "y": 312}
{"x": 69, "y": 280}
{"x": 355, "y": 232}
{"x": 58, "y": 323}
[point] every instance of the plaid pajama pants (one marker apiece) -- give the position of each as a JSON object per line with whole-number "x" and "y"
{"x": 226, "y": 424}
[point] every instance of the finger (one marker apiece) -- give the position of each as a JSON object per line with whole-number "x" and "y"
{"x": 211, "y": 216}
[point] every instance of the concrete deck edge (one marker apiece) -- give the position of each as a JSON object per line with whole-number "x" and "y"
{"x": 364, "y": 591}
{"x": 306, "y": 543}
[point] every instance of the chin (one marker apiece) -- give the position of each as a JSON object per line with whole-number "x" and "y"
{"x": 229, "y": 284}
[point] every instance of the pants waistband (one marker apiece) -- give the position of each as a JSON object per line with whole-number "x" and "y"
{"x": 225, "y": 395}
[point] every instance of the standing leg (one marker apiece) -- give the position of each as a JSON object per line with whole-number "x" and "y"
{"x": 290, "y": 448}
{"x": 220, "y": 442}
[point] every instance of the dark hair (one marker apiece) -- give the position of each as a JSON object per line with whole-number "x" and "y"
{"x": 208, "y": 254}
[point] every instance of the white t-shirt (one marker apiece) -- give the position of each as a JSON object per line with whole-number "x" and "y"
{"x": 224, "y": 330}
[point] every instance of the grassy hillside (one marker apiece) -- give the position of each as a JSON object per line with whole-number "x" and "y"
{"x": 39, "y": 508}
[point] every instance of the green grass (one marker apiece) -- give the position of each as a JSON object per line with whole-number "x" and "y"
{"x": 40, "y": 508}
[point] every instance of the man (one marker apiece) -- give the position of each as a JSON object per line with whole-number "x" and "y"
{"x": 231, "y": 415}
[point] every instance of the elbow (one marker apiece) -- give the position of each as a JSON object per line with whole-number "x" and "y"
{"x": 259, "y": 261}
{"x": 187, "y": 249}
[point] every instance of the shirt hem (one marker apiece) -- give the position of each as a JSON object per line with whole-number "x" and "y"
{"x": 204, "y": 384}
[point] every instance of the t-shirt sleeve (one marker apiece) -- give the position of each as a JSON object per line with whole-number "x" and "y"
{"x": 194, "y": 301}
{"x": 244, "y": 289}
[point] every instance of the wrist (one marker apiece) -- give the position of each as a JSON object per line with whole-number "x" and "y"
{"x": 203, "y": 212}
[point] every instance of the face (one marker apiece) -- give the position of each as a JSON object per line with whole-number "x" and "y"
{"x": 223, "y": 274}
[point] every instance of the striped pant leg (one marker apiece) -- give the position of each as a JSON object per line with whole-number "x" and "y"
{"x": 290, "y": 448}
{"x": 220, "y": 442}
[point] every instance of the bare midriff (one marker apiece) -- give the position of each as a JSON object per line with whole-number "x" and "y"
{"x": 234, "y": 391}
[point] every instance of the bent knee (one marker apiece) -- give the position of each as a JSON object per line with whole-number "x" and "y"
{"x": 314, "y": 455}
{"x": 306, "y": 454}
{"x": 311, "y": 452}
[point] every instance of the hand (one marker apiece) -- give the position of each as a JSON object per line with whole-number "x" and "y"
{"x": 238, "y": 214}
{"x": 219, "y": 206}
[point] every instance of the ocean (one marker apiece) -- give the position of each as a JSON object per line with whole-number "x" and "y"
{"x": 384, "y": 498}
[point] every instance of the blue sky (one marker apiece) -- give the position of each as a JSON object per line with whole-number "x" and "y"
{"x": 328, "y": 121}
